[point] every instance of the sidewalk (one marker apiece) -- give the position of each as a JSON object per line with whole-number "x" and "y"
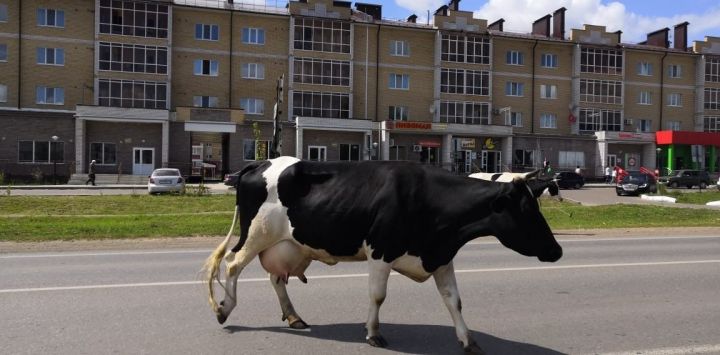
{"x": 214, "y": 187}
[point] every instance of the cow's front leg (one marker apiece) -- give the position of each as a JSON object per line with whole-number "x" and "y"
{"x": 379, "y": 273}
{"x": 288, "y": 311}
{"x": 236, "y": 262}
{"x": 447, "y": 286}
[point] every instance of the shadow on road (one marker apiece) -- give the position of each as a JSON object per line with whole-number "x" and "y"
{"x": 406, "y": 338}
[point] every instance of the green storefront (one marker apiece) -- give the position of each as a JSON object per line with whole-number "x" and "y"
{"x": 688, "y": 150}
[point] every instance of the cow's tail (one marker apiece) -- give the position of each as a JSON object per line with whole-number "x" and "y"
{"x": 212, "y": 264}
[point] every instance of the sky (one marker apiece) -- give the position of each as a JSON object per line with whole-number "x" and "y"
{"x": 636, "y": 18}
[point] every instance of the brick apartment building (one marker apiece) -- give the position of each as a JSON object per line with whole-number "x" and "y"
{"x": 138, "y": 85}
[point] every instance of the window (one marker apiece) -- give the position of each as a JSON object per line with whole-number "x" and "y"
{"x": 253, "y": 71}
{"x": 132, "y": 58}
{"x": 321, "y": 104}
{"x": 399, "y": 81}
{"x": 398, "y": 113}
{"x": 548, "y": 60}
{"x": 712, "y": 99}
{"x": 3, "y": 93}
{"x": 50, "y": 56}
{"x": 460, "y": 81}
{"x": 513, "y": 88}
{"x": 317, "y": 153}
{"x": 41, "y": 152}
{"x": 674, "y": 71}
{"x": 600, "y": 91}
{"x": 711, "y": 124}
{"x": 548, "y": 91}
{"x": 131, "y": 18}
{"x": 644, "y": 125}
{"x": 592, "y": 120}
{"x": 205, "y": 101}
{"x": 673, "y": 125}
{"x": 253, "y": 106}
{"x": 644, "y": 68}
{"x": 467, "y": 112}
{"x": 256, "y": 150}
{"x": 514, "y": 119}
{"x": 712, "y": 70}
{"x": 350, "y": 152}
{"x": 3, "y": 52}
{"x": 50, "y": 17}
{"x": 569, "y": 159}
{"x": 205, "y": 67}
{"x": 49, "y": 96}
{"x": 103, "y": 153}
{"x": 132, "y": 93}
{"x": 321, "y": 71}
{"x": 206, "y": 32}
{"x": 548, "y": 120}
{"x": 400, "y": 48}
{"x": 601, "y": 61}
{"x": 514, "y": 58}
{"x": 524, "y": 158}
{"x": 3, "y": 13}
{"x": 675, "y": 100}
{"x": 252, "y": 35}
{"x": 463, "y": 49}
{"x": 321, "y": 35}
{"x": 645, "y": 98}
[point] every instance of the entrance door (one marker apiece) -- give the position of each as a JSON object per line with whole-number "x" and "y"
{"x": 463, "y": 161}
{"x": 143, "y": 159}
{"x": 430, "y": 155}
{"x": 611, "y": 160}
{"x": 491, "y": 161}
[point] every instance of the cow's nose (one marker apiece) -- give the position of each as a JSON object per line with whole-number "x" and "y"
{"x": 552, "y": 256}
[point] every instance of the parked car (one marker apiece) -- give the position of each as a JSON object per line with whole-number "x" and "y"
{"x": 165, "y": 180}
{"x": 636, "y": 183}
{"x": 569, "y": 180}
{"x": 687, "y": 178}
{"x": 231, "y": 179}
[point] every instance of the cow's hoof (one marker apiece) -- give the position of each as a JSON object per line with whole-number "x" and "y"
{"x": 473, "y": 348}
{"x": 377, "y": 341}
{"x": 299, "y": 324}
{"x": 221, "y": 318}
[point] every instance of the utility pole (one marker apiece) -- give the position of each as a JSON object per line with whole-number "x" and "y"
{"x": 276, "y": 148}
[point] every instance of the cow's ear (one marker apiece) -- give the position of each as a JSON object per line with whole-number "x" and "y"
{"x": 500, "y": 203}
{"x": 532, "y": 174}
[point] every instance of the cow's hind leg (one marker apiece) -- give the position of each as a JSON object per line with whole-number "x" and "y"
{"x": 288, "y": 311}
{"x": 447, "y": 286}
{"x": 379, "y": 274}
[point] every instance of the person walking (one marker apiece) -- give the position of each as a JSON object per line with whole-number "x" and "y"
{"x": 608, "y": 174}
{"x": 91, "y": 173}
{"x": 613, "y": 177}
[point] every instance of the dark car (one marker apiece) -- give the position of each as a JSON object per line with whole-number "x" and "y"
{"x": 569, "y": 180}
{"x": 636, "y": 183}
{"x": 231, "y": 179}
{"x": 687, "y": 178}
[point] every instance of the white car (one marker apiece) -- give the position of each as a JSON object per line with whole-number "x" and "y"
{"x": 165, "y": 180}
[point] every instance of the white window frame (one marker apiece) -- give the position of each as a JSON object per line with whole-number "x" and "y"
{"x": 50, "y": 56}
{"x": 50, "y": 152}
{"x": 253, "y": 35}
{"x": 104, "y": 148}
{"x": 644, "y": 69}
{"x": 513, "y": 88}
{"x": 332, "y": 104}
{"x": 116, "y": 88}
{"x": 548, "y": 91}
{"x": 644, "y": 125}
{"x": 712, "y": 70}
{"x": 672, "y": 125}
{"x": 712, "y": 98}
{"x": 254, "y": 71}
{"x": 321, "y": 152}
{"x": 199, "y": 67}
{"x": 601, "y": 61}
{"x": 513, "y": 57}
{"x": 400, "y": 48}
{"x": 252, "y": 106}
{"x": 142, "y": 59}
{"x": 645, "y": 98}
{"x": 58, "y": 95}
{"x": 464, "y": 112}
{"x": 591, "y": 120}
{"x": 334, "y": 36}
{"x": 570, "y": 159}
{"x": 44, "y": 15}
{"x": 465, "y": 49}
{"x": 205, "y": 101}
{"x": 467, "y": 82}
{"x": 601, "y": 91}
{"x": 711, "y": 124}
{"x": 398, "y": 113}
{"x": 207, "y": 32}
{"x": 514, "y": 119}
{"x": 549, "y": 60}
{"x": 675, "y": 71}
{"x": 548, "y": 120}
{"x": 321, "y": 71}
{"x": 399, "y": 81}
{"x": 157, "y": 18}
{"x": 675, "y": 99}
{"x": 3, "y": 52}
{"x": 3, "y": 93}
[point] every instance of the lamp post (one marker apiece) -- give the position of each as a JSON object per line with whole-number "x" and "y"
{"x": 658, "y": 150}
{"x": 53, "y": 155}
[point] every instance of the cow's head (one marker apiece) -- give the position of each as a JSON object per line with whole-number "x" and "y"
{"x": 519, "y": 225}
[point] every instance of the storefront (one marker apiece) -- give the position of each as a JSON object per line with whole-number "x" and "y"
{"x": 688, "y": 150}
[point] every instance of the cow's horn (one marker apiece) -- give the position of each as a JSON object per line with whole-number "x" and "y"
{"x": 532, "y": 174}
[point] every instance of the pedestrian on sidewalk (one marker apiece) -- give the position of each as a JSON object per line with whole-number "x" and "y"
{"x": 614, "y": 175}
{"x": 91, "y": 173}
{"x": 608, "y": 174}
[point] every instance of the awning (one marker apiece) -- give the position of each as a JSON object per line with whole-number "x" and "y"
{"x": 688, "y": 137}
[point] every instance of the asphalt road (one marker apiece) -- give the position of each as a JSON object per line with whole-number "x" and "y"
{"x": 649, "y": 295}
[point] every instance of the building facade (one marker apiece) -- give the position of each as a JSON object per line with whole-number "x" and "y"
{"x": 139, "y": 85}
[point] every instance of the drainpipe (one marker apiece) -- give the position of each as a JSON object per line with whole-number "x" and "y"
{"x": 377, "y": 73}
{"x": 19, "y": 80}
{"x": 532, "y": 92}
{"x": 662, "y": 88}
{"x": 230, "y": 91}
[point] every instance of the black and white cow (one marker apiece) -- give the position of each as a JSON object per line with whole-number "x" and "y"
{"x": 395, "y": 215}
{"x": 537, "y": 185}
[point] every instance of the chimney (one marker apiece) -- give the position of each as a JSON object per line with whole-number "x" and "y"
{"x": 371, "y": 9}
{"x": 442, "y": 11}
{"x": 658, "y": 38}
{"x": 454, "y": 5}
{"x": 412, "y": 18}
{"x": 497, "y": 25}
{"x": 542, "y": 26}
{"x": 680, "y": 36}
{"x": 559, "y": 23}
{"x": 619, "y": 34}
